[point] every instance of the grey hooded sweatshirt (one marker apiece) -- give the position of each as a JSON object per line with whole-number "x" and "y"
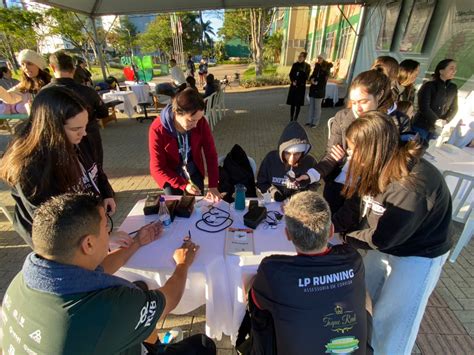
{"x": 272, "y": 175}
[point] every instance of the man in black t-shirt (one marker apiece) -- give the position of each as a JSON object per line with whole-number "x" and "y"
{"x": 65, "y": 299}
{"x": 63, "y": 69}
{"x": 316, "y": 300}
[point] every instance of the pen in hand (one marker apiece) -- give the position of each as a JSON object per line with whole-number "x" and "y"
{"x": 188, "y": 237}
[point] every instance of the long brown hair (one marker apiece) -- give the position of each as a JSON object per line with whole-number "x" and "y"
{"x": 388, "y": 66}
{"x": 33, "y": 85}
{"x": 378, "y": 157}
{"x": 405, "y": 72}
{"x": 376, "y": 84}
{"x": 41, "y": 158}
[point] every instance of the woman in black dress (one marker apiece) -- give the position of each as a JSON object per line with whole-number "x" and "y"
{"x": 299, "y": 74}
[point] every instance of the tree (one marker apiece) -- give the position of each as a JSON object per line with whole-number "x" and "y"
{"x": 19, "y": 30}
{"x": 207, "y": 30}
{"x": 70, "y": 27}
{"x": 123, "y": 38}
{"x": 272, "y": 46}
{"x": 219, "y": 50}
{"x": 157, "y": 35}
{"x": 236, "y": 25}
{"x": 260, "y": 21}
{"x": 250, "y": 26}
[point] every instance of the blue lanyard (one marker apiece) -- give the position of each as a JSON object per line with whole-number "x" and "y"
{"x": 183, "y": 144}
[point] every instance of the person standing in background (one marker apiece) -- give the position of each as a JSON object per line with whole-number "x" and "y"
{"x": 299, "y": 75}
{"x": 203, "y": 68}
{"x": 437, "y": 100}
{"x": 317, "y": 90}
{"x": 190, "y": 66}
{"x": 81, "y": 74}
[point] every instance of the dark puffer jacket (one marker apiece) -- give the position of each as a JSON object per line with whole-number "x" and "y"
{"x": 437, "y": 99}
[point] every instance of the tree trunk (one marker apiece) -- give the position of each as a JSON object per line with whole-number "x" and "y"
{"x": 257, "y": 27}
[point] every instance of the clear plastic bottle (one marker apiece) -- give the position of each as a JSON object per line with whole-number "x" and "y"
{"x": 164, "y": 213}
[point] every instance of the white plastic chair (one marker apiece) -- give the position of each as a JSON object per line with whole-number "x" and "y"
{"x": 330, "y": 121}
{"x": 217, "y": 105}
{"x": 210, "y": 110}
{"x": 462, "y": 208}
{"x": 252, "y": 163}
{"x": 220, "y": 104}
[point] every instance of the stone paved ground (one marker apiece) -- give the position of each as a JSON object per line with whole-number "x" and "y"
{"x": 254, "y": 120}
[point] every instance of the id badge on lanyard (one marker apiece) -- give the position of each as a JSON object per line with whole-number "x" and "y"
{"x": 183, "y": 144}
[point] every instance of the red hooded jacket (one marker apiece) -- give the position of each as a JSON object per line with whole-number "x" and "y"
{"x": 164, "y": 155}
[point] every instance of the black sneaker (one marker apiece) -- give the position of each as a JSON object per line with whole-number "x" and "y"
{"x": 307, "y": 124}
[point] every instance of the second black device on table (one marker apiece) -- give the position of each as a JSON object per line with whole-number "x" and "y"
{"x": 183, "y": 207}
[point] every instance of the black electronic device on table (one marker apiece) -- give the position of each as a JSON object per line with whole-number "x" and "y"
{"x": 255, "y": 215}
{"x": 185, "y": 206}
{"x": 152, "y": 204}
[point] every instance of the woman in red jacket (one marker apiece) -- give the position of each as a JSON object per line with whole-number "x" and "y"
{"x": 176, "y": 142}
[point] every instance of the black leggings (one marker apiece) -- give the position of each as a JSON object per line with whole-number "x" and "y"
{"x": 294, "y": 112}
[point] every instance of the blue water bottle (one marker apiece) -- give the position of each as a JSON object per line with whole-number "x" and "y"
{"x": 240, "y": 197}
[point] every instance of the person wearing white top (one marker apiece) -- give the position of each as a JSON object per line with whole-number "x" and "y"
{"x": 178, "y": 81}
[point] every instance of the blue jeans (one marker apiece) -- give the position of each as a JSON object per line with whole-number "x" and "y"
{"x": 399, "y": 287}
{"x": 424, "y": 134}
{"x": 314, "y": 114}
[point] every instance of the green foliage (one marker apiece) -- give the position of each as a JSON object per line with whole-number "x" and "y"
{"x": 272, "y": 47}
{"x": 265, "y": 80}
{"x": 219, "y": 51}
{"x": 19, "y": 30}
{"x": 269, "y": 70}
{"x": 67, "y": 25}
{"x": 123, "y": 38}
{"x": 157, "y": 35}
{"x": 236, "y": 25}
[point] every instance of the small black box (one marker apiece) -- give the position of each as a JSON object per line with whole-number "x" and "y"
{"x": 152, "y": 204}
{"x": 254, "y": 216}
{"x": 185, "y": 206}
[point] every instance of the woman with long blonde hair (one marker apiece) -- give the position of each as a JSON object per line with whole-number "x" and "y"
{"x": 33, "y": 77}
{"x": 403, "y": 221}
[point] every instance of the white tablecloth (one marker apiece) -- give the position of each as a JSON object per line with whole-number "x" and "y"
{"x": 128, "y": 98}
{"x": 141, "y": 91}
{"x": 216, "y": 280}
{"x": 332, "y": 92}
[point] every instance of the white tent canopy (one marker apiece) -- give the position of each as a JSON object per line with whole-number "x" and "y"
{"x": 123, "y": 7}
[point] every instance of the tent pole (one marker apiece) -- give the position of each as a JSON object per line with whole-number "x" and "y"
{"x": 359, "y": 34}
{"x": 99, "y": 49}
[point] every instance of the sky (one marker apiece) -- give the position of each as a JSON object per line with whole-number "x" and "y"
{"x": 216, "y": 17}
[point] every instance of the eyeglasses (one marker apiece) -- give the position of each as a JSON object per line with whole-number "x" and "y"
{"x": 110, "y": 223}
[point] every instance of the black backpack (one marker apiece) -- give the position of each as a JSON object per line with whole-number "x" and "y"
{"x": 236, "y": 170}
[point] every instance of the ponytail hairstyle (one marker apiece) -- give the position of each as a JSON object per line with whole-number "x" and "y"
{"x": 376, "y": 84}
{"x": 378, "y": 158}
{"x": 387, "y": 65}
{"x": 405, "y": 73}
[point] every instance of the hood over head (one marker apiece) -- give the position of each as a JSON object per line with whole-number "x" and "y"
{"x": 293, "y": 139}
